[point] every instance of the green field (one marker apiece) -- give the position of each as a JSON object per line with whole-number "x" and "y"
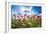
{"x": 25, "y": 23}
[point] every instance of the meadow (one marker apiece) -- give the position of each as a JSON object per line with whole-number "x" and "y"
{"x": 31, "y": 23}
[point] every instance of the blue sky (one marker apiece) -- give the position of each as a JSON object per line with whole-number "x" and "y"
{"x": 30, "y": 9}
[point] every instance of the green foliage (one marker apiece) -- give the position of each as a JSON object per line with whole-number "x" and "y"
{"x": 25, "y": 23}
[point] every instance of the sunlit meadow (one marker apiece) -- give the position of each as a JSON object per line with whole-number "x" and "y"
{"x": 25, "y": 16}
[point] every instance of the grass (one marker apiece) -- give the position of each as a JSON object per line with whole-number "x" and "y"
{"x": 25, "y": 23}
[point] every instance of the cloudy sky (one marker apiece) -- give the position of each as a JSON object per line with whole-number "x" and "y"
{"x": 16, "y": 9}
